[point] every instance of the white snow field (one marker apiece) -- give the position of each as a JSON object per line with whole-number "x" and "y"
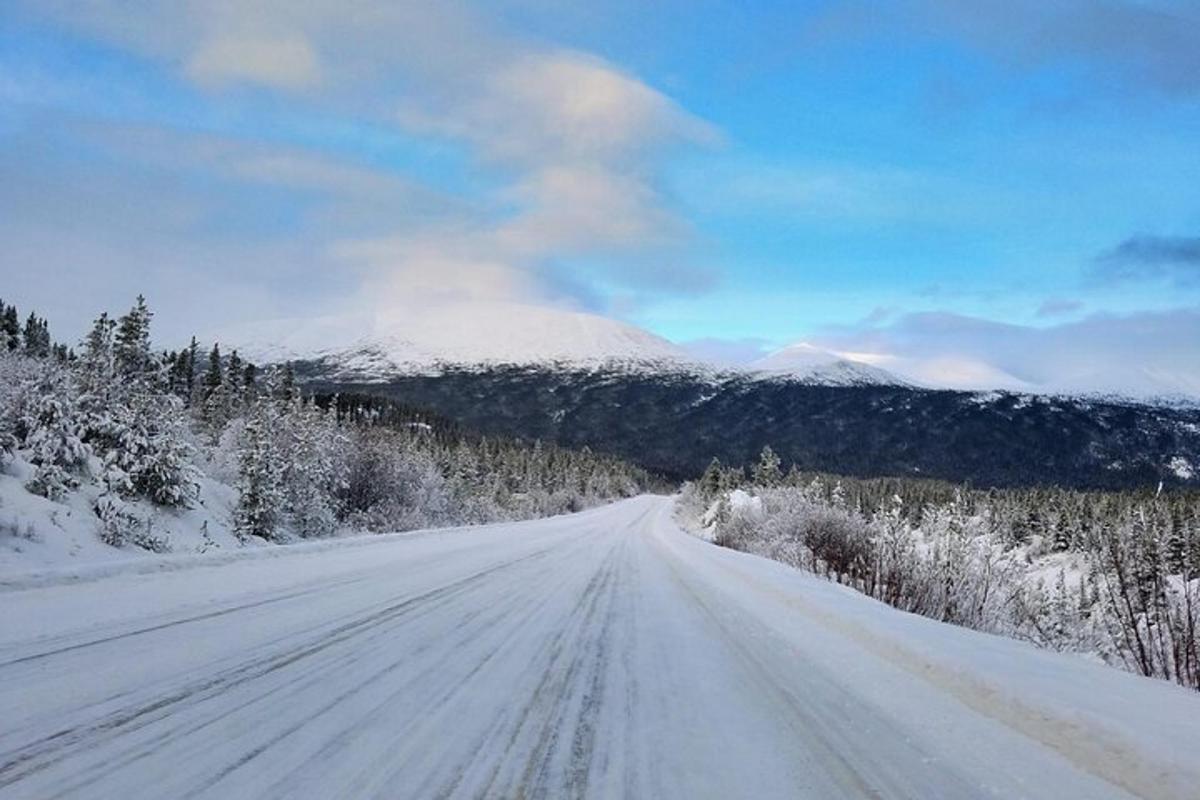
{"x": 605, "y": 654}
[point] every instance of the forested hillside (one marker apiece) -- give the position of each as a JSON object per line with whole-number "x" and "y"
{"x": 675, "y": 421}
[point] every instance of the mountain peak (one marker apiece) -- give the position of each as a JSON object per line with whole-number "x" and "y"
{"x": 809, "y": 363}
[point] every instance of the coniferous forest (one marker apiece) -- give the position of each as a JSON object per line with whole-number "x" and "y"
{"x": 137, "y": 432}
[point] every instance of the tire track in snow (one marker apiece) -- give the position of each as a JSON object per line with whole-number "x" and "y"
{"x": 36, "y": 756}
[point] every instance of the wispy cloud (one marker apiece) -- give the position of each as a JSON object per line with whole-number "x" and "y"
{"x": 1140, "y": 44}
{"x": 1148, "y": 43}
{"x": 833, "y": 192}
{"x": 281, "y": 62}
{"x": 1057, "y": 307}
{"x": 1147, "y": 257}
{"x": 572, "y": 145}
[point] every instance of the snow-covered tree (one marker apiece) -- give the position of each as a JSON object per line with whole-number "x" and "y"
{"x": 314, "y": 456}
{"x": 36, "y": 337}
{"x": 147, "y": 453}
{"x": 10, "y": 328}
{"x": 131, "y": 345}
{"x": 767, "y": 471}
{"x": 260, "y": 475}
{"x": 53, "y": 435}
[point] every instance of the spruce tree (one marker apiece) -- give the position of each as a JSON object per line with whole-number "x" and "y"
{"x": 190, "y": 371}
{"x": 213, "y": 378}
{"x": 98, "y": 361}
{"x": 232, "y": 388}
{"x": 10, "y": 328}
{"x": 36, "y": 336}
{"x": 250, "y": 380}
{"x": 260, "y": 474}
{"x": 132, "y": 343}
{"x": 710, "y": 481}
{"x": 767, "y": 473}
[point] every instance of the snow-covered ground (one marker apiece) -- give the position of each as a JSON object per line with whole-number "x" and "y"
{"x": 605, "y": 654}
{"x": 38, "y": 533}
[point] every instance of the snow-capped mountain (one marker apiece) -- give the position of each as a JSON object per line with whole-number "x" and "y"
{"x": 1129, "y": 381}
{"x": 374, "y": 347}
{"x": 811, "y": 364}
{"x": 366, "y": 346}
{"x": 378, "y": 346}
{"x": 583, "y": 380}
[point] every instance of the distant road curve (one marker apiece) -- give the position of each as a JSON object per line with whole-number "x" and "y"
{"x": 605, "y": 654}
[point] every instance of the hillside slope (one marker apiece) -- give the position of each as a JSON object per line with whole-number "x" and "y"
{"x": 676, "y": 421}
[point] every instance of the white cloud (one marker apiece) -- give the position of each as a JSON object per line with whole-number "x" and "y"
{"x": 833, "y": 192}
{"x": 1141, "y": 354}
{"x": 279, "y": 62}
{"x": 565, "y": 148}
{"x": 564, "y": 106}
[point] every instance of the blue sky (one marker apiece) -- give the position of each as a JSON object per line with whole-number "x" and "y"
{"x": 731, "y": 176}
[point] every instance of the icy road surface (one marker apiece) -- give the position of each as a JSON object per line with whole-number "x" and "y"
{"x": 605, "y": 654}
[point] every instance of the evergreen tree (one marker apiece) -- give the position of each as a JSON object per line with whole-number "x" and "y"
{"x": 190, "y": 371}
{"x": 219, "y": 404}
{"x": 10, "y": 328}
{"x": 147, "y": 452}
{"x": 767, "y": 471}
{"x": 99, "y": 357}
{"x": 233, "y": 388}
{"x": 260, "y": 475}
{"x": 54, "y": 436}
{"x": 313, "y": 455}
{"x": 132, "y": 342}
{"x": 288, "y": 385}
{"x": 710, "y": 482}
{"x": 214, "y": 376}
{"x": 36, "y": 336}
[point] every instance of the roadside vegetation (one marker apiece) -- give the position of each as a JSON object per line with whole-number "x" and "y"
{"x": 1112, "y": 574}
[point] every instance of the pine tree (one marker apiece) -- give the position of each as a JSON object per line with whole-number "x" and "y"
{"x": 190, "y": 371}
{"x": 288, "y": 385}
{"x": 99, "y": 359}
{"x": 132, "y": 341}
{"x": 54, "y": 437}
{"x": 313, "y": 456}
{"x": 710, "y": 481}
{"x": 767, "y": 473}
{"x": 214, "y": 377}
{"x": 36, "y": 337}
{"x": 250, "y": 380}
{"x": 10, "y": 328}
{"x": 260, "y": 475}
{"x": 148, "y": 454}
{"x": 233, "y": 388}
{"x": 218, "y": 401}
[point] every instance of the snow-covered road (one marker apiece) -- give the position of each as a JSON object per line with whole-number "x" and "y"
{"x": 605, "y": 654}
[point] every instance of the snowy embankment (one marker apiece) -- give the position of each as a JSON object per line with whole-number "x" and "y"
{"x": 601, "y": 654}
{"x": 37, "y": 533}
